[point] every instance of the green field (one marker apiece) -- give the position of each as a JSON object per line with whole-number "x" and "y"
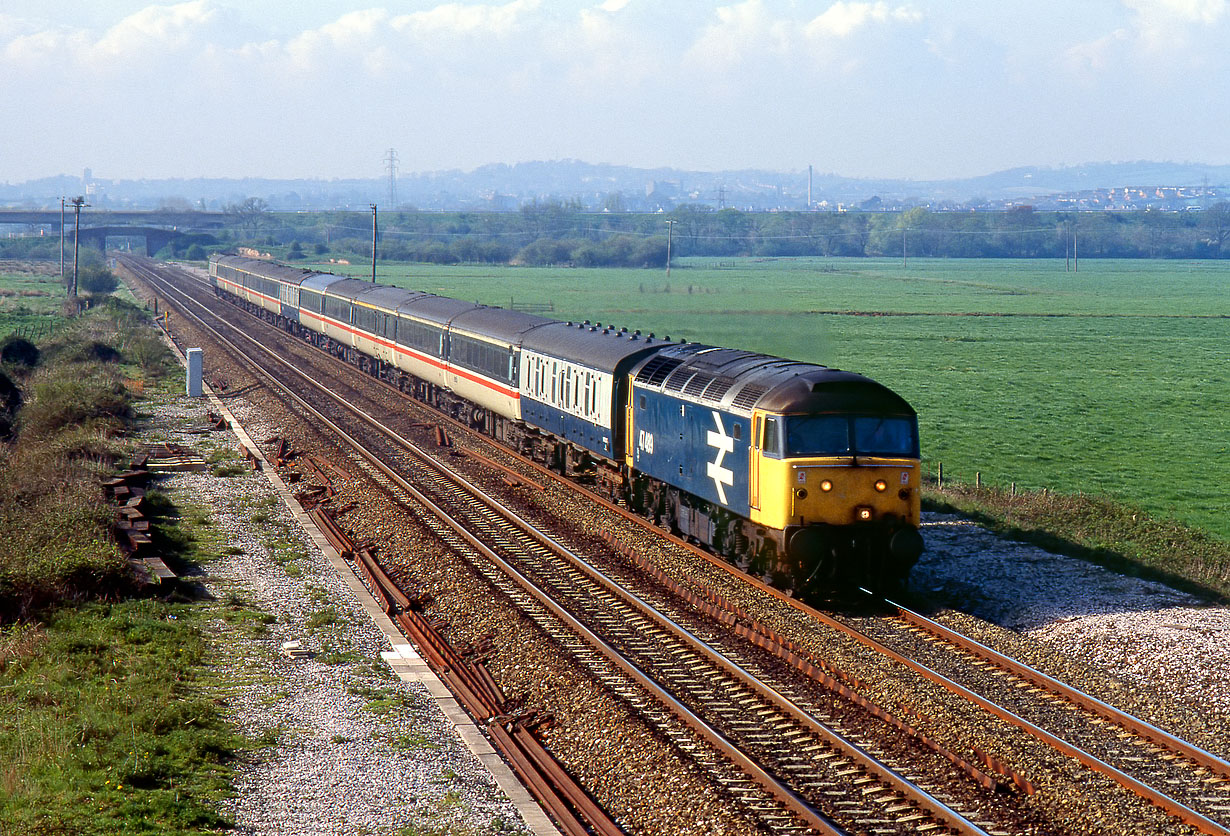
{"x": 1110, "y": 381}
{"x": 30, "y": 301}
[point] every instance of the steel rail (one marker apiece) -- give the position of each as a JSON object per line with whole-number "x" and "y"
{"x": 715, "y": 738}
{"x": 549, "y": 786}
{"x": 1162, "y": 801}
{"x": 1134, "y": 724}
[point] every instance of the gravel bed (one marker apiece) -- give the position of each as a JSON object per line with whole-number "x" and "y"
{"x": 1155, "y": 638}
{"x": 352, "y": 748}
{"x": 1050, "y": 605}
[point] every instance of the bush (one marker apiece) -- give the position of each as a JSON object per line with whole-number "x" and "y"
{"x": 75, "y": 395}
{"x": 96, "y": 279}
{"x": 19, "y": 353}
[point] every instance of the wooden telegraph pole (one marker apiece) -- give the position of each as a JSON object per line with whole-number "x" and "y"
{"x": 670, "y": 225}
{"x": 78, "y": 202}
{"x": 373, "y": 243}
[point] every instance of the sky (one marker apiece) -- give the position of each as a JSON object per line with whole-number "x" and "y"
{"x": 923, "y": 89}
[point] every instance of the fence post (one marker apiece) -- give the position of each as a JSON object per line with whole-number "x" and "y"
{"x": 978, "y": 479}
{"x": 939, "y": 475}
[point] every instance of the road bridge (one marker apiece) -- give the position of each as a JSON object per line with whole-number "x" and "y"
{"x": 104, "y": 217}
{"x": 157, "y": 228}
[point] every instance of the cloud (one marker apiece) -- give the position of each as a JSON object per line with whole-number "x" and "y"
{"x": 842, "y": 19}
{"x": 455, "y": 19}
{"x": 1189, "y": 11}
{"x": 746, "y": 32}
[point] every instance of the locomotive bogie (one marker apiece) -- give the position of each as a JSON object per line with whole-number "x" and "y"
{"x": 799, "y": 474}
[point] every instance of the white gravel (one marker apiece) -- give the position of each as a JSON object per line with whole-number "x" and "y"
{"x": 352, "y": 748}
{"x": 1139, "y": 631}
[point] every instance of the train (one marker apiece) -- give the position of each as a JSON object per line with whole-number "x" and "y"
{"x": 805, "y": 476}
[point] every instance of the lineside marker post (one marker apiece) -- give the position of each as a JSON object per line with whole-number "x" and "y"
{"x": 195, "y": 366}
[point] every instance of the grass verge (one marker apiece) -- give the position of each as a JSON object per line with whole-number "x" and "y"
{"x": 1109, "y": 533}
{"x": 108, "y": 723}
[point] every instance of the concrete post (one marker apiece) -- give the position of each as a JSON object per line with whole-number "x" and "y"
{"x": 194, "y": 372}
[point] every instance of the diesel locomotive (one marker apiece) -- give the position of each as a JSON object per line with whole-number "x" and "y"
{"x": 803, "y": 475}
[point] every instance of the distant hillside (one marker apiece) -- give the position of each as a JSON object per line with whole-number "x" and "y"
{"x": 599, "y": 187}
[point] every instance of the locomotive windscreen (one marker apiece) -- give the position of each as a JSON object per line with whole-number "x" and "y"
{"x": 841, "y": 435}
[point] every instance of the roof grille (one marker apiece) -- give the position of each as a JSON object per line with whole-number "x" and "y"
{"x": 716, "y": 390}
{"x": 675, "y": 382}
{"x": 656, "y": 370}
{"x": 748, "y": 395}
{"x": 697, "y": 384}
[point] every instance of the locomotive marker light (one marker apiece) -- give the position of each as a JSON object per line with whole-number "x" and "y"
{"x": 881, "y": 485}
{"x": 724, "y": 444}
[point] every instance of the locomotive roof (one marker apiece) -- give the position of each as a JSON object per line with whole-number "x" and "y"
{"x": 269, "y": 269}
{"x": 605, "y": 349}
{"x": 740, "y": 381}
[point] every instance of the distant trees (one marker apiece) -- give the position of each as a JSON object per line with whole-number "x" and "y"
{"x": 1215, "y": 221}
{"x": 554, "y": 232}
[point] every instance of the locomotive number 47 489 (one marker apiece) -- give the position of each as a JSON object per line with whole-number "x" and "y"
{"x": 644, "y": 441}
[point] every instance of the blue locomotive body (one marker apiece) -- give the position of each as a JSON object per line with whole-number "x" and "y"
{"x": 773, "y": 464}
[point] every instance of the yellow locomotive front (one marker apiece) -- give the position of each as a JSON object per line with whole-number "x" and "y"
{"x": 836, "y": 471}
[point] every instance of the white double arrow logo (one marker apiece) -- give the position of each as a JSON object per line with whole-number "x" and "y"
{"x": 724, "y": 444}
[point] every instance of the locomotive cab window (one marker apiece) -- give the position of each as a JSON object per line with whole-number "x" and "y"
{"x": 844, "y": 435}
{"x": 818, "y": 435}
{"x": 886, "y": 436}
{"x": 772, "y": 438}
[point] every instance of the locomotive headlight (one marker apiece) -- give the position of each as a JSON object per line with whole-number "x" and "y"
{"x": 826, "y": 486}
{"x": 881, "y": 485}
{"x": 864, "y": 514}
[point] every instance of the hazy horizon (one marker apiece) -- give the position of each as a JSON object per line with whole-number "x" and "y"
{"x": 922, "y": 90}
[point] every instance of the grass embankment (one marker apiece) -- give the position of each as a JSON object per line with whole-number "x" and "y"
{"x": 1110, "y": 382}
{"x": 1110, "y": 533}
{"x": 105, "y": 722}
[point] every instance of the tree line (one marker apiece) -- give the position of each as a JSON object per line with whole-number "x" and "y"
{"x": 554, "y": 233}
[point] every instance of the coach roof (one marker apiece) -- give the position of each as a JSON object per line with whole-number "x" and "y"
{"x": 605, "y": 349}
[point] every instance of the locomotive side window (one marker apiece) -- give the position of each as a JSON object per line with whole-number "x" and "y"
{"x": 772, "y": 438}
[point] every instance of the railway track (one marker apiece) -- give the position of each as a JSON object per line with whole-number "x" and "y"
{"x": 686, "y": 662}
{"x": 1185, "y": 780}
{"x": 724, "y": 705}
